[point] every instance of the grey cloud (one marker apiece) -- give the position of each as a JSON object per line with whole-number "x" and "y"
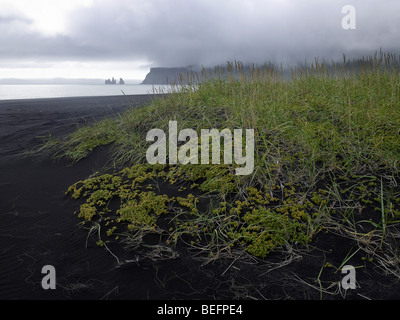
{"x": 181, "y": 32}
{"x": 12, "y": 18}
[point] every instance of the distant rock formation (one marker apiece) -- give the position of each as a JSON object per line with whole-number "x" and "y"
{"x": 114, "y": 81}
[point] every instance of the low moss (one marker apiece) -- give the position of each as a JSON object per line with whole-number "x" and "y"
{"x": 257, "y": 220}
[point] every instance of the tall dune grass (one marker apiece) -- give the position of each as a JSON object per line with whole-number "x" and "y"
{"x": 327, "y": 154}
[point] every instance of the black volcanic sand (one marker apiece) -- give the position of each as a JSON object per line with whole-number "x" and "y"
{"x": 38, "y": 228}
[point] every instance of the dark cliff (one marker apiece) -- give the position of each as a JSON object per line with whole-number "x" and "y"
{"x": 165, "y": 75}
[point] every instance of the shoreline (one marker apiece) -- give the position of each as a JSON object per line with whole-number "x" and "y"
{"x": 78, "y": 99}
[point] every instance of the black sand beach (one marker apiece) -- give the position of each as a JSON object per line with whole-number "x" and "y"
{"x": 37, "y": 224}
{"x": 38, "y": 228}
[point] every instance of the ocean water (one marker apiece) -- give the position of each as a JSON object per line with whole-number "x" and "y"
{"x": 24, "y": 91}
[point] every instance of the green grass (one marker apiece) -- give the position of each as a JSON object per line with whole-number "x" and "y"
{"x": 327, "y": 149}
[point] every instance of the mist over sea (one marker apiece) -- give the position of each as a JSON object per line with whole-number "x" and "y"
{"x": 36, "y": 91}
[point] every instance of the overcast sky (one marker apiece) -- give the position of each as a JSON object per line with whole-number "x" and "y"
{"x": 124, "y": 38}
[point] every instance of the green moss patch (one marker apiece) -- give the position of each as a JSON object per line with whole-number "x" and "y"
{"x": 258, "y": 221}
